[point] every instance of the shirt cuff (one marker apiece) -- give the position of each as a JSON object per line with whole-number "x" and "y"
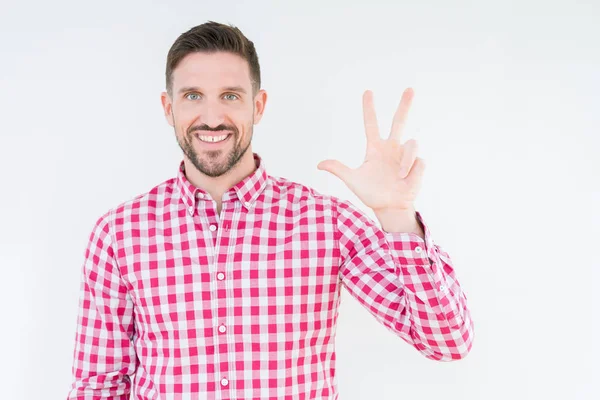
{"x": 418, "y": 260}
{"x": 411, "y": 248}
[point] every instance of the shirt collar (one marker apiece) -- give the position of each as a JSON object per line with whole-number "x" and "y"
{"x": 247, "y": 190}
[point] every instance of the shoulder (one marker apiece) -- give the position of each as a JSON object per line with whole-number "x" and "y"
{"x": 284, "y": 189}
{"x": 287, "y": 190}
{"x": 134, "y": 208}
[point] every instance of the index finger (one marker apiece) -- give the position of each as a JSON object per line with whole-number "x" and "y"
{"x": 370, "y": 119}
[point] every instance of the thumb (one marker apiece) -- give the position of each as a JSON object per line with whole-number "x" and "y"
{"x": 336, "y": 168}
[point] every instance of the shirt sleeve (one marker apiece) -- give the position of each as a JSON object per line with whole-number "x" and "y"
{"x": 104, "y": 356}
{"x": 407, "y": 283}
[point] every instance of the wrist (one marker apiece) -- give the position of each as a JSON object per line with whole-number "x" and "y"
{"x": 399, "y": 220}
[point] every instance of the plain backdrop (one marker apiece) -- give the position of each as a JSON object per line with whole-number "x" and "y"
{"x": 506, "y": 113}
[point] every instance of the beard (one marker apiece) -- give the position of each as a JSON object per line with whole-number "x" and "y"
{"x": 215, "y": 163}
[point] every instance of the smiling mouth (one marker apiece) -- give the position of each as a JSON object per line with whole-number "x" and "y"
{"x": 212, "y": 139}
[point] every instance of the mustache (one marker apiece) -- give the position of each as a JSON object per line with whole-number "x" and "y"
{"x": 207, "y": 128}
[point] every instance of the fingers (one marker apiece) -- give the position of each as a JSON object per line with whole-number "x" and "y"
{"x": 401, "y": 115}
{"x": 370, "y": 119}
{"x": 409, "y": 155}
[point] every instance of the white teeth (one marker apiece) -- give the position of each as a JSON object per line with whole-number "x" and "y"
{"x": 213, "y": 139}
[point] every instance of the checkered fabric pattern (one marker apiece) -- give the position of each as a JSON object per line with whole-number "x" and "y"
{"x": 178, "y": 302}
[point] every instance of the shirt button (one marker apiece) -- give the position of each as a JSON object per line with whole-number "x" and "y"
{"x": 220, "y": 276}
{"x": 418, "y": 249}
{"x": 224, "y": 382}
{"x": 191, "y": 210}
{"x": 199, "y": 195}
{"x": 212, "y": 228}
{"x": 222, "y": 329}
{"x": 247, "y": 204}
{"x": 442, "y": 288}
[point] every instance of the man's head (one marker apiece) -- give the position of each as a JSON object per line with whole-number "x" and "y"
{"x": 213, "y": 92}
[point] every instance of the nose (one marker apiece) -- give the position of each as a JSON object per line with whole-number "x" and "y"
{"x": 212, "y": 114}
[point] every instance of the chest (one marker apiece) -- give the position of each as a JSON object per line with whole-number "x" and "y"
{"x": 271, "y": 264}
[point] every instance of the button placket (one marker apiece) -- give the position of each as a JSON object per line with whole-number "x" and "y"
{"x": 217, "y": 229}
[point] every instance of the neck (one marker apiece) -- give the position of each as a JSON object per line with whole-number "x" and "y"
{"x": 217, "y": 186}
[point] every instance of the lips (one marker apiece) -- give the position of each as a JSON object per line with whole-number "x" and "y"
{"x": 208, "y": 138}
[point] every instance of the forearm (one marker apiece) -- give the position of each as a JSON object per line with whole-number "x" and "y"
{"x": 104, "y": 356}
{"x": 436, "y": 306}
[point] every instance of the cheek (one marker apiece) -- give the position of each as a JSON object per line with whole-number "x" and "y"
{"x": 182, "y": 122}
{"x": 245, "y": 122}
{"x": 245, "y": 129}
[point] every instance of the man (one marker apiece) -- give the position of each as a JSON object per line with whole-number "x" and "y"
{"x": 224, "y": 282}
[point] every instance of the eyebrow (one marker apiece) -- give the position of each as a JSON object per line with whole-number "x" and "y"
{"x": 226, "y": 89}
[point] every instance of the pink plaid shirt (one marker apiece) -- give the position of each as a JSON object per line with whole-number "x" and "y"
{"x": 178, "y": 302}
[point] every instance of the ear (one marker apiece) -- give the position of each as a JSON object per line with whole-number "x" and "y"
{"x": 167, "y": 104}
{"x": 260, "y": 100}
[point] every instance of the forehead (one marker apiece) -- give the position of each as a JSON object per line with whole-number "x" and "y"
{"x": 212, "y": 70}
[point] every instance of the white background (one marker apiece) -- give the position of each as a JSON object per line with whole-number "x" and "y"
{"x": 506, "y": 113}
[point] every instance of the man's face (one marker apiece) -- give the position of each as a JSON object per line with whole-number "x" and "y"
{"x": 213, "y": 110}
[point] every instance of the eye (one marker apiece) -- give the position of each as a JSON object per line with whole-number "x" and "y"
{"x": 188, "y": 96}
{"x": 233, "y": 95}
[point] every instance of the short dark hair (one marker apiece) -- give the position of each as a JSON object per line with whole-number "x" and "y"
{"x": 212, "y": 37}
